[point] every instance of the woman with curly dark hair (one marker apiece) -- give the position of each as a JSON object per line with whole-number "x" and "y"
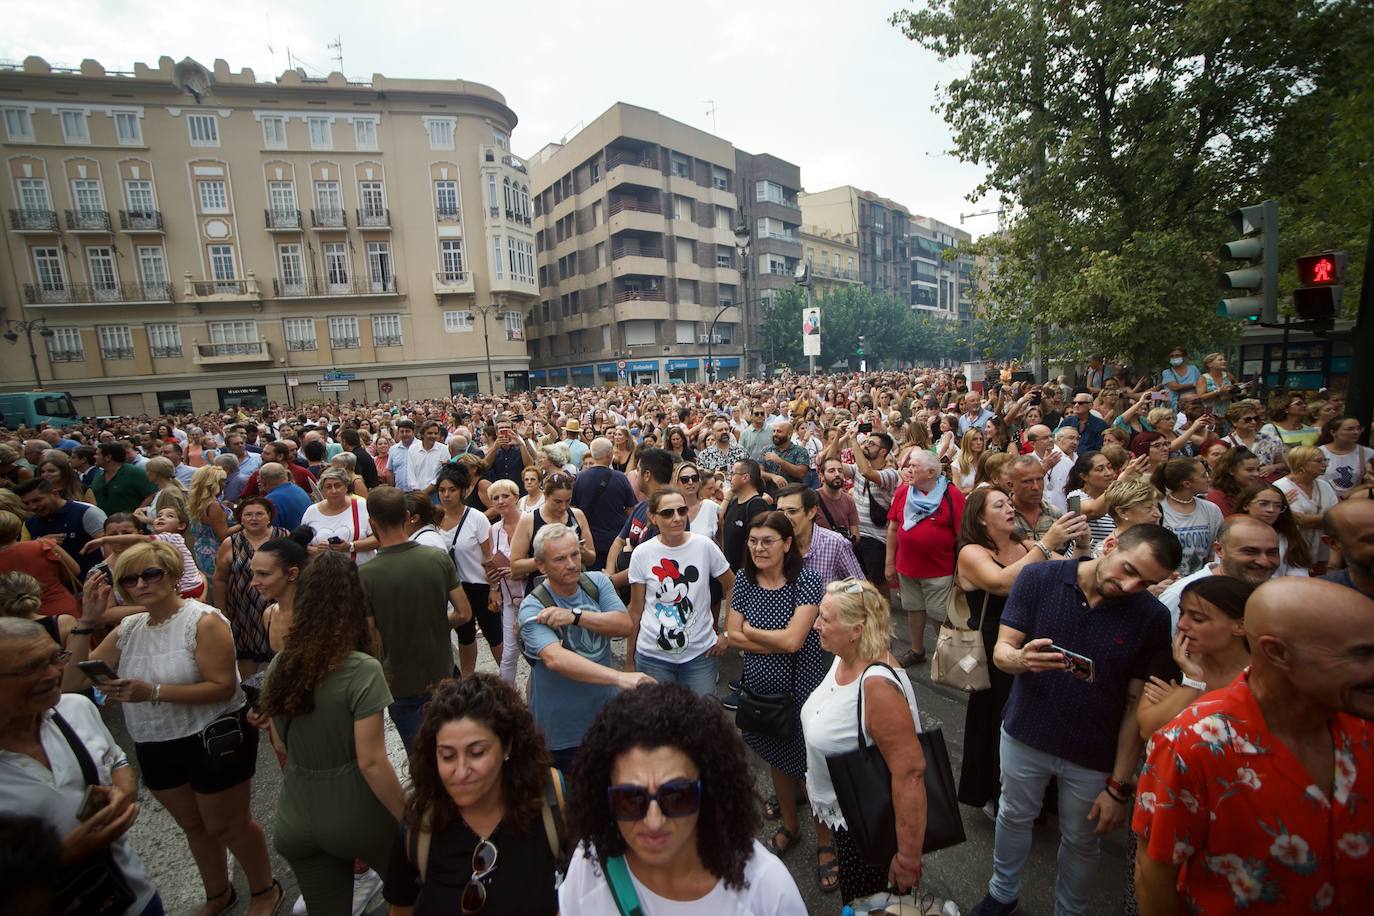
{"x": 662, "y": 797}
{"x": 325, "y": 693}
{"x": 474, "y": 837}
{"x": 1235, "y": 470}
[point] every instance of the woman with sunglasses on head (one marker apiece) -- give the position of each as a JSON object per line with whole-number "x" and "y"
{"x": 1244, "y": 417}
{"x": 855, "y": 624}
{"x": 474, "y": 838}
{"x": 1266, "y": 502}
{"x": 662, "y": 815}
{"x": 324, "y": 693}
{"x": 770, "y": 619}
{"x": 196, "y": 752}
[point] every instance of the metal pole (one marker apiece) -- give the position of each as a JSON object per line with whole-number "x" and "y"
{"x": 810, "y": 360}
{"x": 1360, "y": 396}
{"x": 1283, "y": 357}
{"x": 33, "y": 356}
{"x": 486, "y": 339}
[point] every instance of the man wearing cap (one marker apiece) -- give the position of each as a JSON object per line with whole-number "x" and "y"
{"x": 572, "y": 438}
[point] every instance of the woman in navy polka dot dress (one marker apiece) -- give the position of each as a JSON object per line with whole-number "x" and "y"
{"x": 772, "y": 611}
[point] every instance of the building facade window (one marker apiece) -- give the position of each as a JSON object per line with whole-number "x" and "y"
{"x": 291, "y": 266}
{"x": 440, "y": 132}
{"x": 458, "y": 321}
{"x": 88, "y": 197}
{"x": 127, "y": 129}
{"x": 214, "y": 195}
{"x": 682, "y": 165}
{"x": 235, "y": 338}
{"x": 300, "y": 334}
{"x": 164, "y": 340}
{"x": 101, "y": 268}
{"x": 497, "y": 262}
{"x": 204, "y": 129}
{"x": 222, "y": 265}
{"x": 75, "y": 128}
{"x": 152, "y": 267}
{"x": 321, "y": 133}
{"x": 720, "y": 178}
{"x": 365, "y": 134}
{"x": 386, "y": 330}
{"x": 18, "y": 124}
{"x": 373, "y": 199}
{"x": 379, "y": 267}
{"x": 138, "y": 195}
{"x": 446, "y": 199}
{"x": 336, "y": 266}
{"x": 65, "y": 346}
{"x": 274, "y": 132}
{"x": 116, "y": 341}
{"x": 47, "y": 264}
{"x": 451, "y": 259}
{"x": 329, "y": 198}
{"x": 343, "y": 332}
{"x": 773, "y": 192}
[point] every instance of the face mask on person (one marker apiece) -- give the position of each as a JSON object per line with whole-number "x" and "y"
{"x": 1175, "y": 360}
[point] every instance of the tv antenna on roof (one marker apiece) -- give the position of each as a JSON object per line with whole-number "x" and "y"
{"x": 711, "y": 113}
{"x": 337, "y": 47}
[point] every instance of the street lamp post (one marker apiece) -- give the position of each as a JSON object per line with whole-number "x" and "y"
{"x": 14, "y": 328}
{"x": 742, "y": 239}
{"x": 710, "y": 336}
{"x": 486, "y": 311}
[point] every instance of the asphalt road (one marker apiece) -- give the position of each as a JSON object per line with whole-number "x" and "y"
{"x": 959, "y": 874}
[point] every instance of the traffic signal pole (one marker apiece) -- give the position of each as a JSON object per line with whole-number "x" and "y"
{"x": 1359, "y": 399}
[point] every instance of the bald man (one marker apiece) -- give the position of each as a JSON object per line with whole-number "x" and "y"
{"x": 1349, "y": 528}
{"x": 1246, "y": 549}
{"x": 290, "y": 500}
{"x": 1256, "y": 797}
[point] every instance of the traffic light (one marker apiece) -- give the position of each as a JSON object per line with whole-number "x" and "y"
{"x": 1259, "y": 247}
{"x": 1320, "y": 285}
{"x": 861, "y": 345}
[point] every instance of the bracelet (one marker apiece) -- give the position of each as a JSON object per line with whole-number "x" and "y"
{"x": 157, "y": 694}
{"x": 1045, "y": 550}
{"x": 82, "y": 631}
{"x": 1189, "y": 682}
{"x": 1125, "y": 788}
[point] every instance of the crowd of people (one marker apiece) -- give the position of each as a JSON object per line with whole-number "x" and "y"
{"x": 1170, "y": 582}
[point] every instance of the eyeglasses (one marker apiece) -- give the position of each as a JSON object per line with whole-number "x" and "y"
{"x": 1270, "y": 504}
{"x": 682, "y": 511}
{"x": 56, "y": 660}
{"x": 1082, "y": 403}
{"x": 150, "y": 575}
{"x": 483, "y": 863}
{"x": 1249, "y": 419}
{"x": 689, "y": 478}
{"x": 758, "y": 413}
{"x": 764, "y": 543}
{"x": 676, "y": 798}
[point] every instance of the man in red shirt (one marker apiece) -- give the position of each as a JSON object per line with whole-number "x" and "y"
{"x": 1257, "y": 798}
{"x": 280, "y": 452}
{"x": 922, "y": 531}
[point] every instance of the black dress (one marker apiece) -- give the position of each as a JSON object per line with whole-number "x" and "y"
{"x": 980, "y": 774}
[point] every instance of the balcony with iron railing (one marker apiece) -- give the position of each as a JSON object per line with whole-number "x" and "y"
{"x": 326, "y": 288}
{"x": 386, "y": 340}
{"x": 634, "y": 204}
{"x": 222, "y": 354}
{"x": 638, "y": 295}
{"x": 196, "y": 292}
{"x": 637, "y": 249}
{"x": 168, "y": 352}
{"x": 345, "y": 343}
{"x": 645, "y": 159}
{"x": 30, "y": 220}
{"x": 301, "y": 345}
{"x": 329, "y": 219}
{"x": 88, "y": 220}
{"x": 97, "y": 293}
{"x": 452, "y": 282}
{"x": 374, "y": 218}
{"x": 116, "y": 352}
{"x": 140, "y": 220}
{"x": 283, "y": 219}
{"x": 515, "y": 216}
{"x": 447, "y": 214}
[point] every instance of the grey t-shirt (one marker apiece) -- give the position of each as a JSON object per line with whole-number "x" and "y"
{"x": 1196, "y": 531}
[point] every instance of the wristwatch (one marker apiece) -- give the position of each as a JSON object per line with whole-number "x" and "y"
{"x": 577, "y": 616}
{"x": 1190, "y": 682}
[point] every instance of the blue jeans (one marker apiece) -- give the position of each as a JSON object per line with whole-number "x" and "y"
{"x": 406, "y": 713}
{"x": 1025, "y": 773}
{"x": 697, "y": 675}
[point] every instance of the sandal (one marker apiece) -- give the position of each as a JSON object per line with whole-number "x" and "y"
{"x": 772, "y": 809}
{"x": 281, "y": 895}
{"x": 780, "y": 849}
{"x": 231, "y": 892}
{"x": 827, "y": 873}
{"x": 911, "y": 660}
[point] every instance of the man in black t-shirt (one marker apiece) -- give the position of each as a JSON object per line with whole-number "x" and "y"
{"x": 746, "y": 501}
{"x": 604, "y": 495}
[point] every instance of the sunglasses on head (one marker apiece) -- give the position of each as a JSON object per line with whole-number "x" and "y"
{"x": 150, "y": 575}
{"x": 675, "y": 510}
{"x": 676, "y": 798}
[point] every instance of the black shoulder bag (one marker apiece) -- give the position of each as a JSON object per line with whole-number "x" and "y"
{"x": 95, "y": 886}
{"x": 773, "y": 715}
{"x": 863, "y": 788}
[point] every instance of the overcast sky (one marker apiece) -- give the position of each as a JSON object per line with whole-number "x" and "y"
{"x": 830, "y": 86}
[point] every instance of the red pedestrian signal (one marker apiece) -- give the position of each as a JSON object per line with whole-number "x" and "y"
{"x": 1319, "y": 293}
{"x": 1325, "y": 269}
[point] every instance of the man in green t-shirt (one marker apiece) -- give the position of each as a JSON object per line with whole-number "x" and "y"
{"x": 119, "y": 487}
{"x": 409, "y": 589}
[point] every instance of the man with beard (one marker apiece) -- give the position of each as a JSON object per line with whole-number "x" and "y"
{"x": 837, "y": 510}
{"x": 721, "y": 453}
{"x": 1078, "y": 636}
{"x": 1255, "y": 798}
{"x": 786, "y": 462}
{"x": 1246, "y": 549}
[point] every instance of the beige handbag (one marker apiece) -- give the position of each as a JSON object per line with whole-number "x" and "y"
{"x": 960, "y": 658}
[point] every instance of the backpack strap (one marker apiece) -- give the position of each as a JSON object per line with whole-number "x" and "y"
{"x": 555, "y": 796}
{"x": 417, "y": 844}
{"x": 622, "y": 887}
{"x": 589, "y": 588}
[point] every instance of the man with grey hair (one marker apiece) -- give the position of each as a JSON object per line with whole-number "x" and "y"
{"x": 1066, "y": 440}
{"x": 604, "y": 495}
{"x": 44, "y": 735}
{"x": 234, "y": 480}
{"x": 567, "y": 622}
{"x": 290, "y": 500}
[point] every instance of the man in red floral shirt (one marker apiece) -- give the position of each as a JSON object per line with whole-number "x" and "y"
{"x": 1260, "y": 796}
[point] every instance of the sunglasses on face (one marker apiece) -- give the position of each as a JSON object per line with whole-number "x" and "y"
{"x": 689, "y": 478}
{"x": 1248, "y": 419}
{"x": 150, "y": 575}
{"x": 676, "y": 798}
{"x": 675, "y": 510}
{"x": 475, "y": 892}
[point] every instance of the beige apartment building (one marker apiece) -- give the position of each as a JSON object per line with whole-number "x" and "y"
{"x": 179, "y": 238}
{"x": 832, "y": 257}
{"x": 639, "y": 263}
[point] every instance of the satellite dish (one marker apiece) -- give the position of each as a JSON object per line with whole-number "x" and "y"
{"x": 190, "y": 76}
{"x": 802, "y": 274}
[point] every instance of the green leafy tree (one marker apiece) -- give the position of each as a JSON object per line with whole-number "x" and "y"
{"x": 1118, "y": 133}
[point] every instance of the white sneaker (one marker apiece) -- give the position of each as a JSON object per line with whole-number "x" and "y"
{"x": 298, "y": 908}
{"x": 366, "y": 887}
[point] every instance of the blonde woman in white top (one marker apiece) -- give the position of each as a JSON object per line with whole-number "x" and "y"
{"x": 855, "y": 623}
{"x": 505, "y": 499}
{"x": 179, "y": 686}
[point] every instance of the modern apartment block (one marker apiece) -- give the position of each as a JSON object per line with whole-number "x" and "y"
{"x": 940, "y": 287}
{"x": 878, "y": 227}
{"x": 832, "y": 257}
{"x": 180, "y": 239}
{"x": 639, "y": 265}
{"x": 768, "y": 189}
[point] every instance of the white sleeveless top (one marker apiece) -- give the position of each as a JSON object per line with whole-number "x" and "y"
{"x": 828, "y": 721}
{"x": 166, "y": 654}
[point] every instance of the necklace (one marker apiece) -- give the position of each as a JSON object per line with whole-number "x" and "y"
{"x": 1181, "y": 501}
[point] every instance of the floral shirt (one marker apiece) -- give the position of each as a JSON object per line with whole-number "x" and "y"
{"x": 1224, "y": 799}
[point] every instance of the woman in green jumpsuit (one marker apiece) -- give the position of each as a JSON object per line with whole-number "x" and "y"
{"x": 340, "y": 797}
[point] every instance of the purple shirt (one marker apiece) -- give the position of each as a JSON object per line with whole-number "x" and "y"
{"x": 831, "y": 556}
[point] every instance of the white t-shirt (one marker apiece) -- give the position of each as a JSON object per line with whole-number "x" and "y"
{"x": 768, "y": 891}
{"x": 1345, "y": 471}
{"x": 1057, "y": 478}
{"x": 464, "y": 543}
{"x": 1196, "y": 531}
{"x": 677, "y": 622}
{"x": 707, "y": 519}
{"x": 1323, "y": 498}
{"x": 340, "y": 526}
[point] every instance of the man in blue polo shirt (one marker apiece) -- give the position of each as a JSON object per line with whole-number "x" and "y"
{"x": 1090, "y": 427}
{"x": 1072, "y": 716}
{"x": 66, "y": 522}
